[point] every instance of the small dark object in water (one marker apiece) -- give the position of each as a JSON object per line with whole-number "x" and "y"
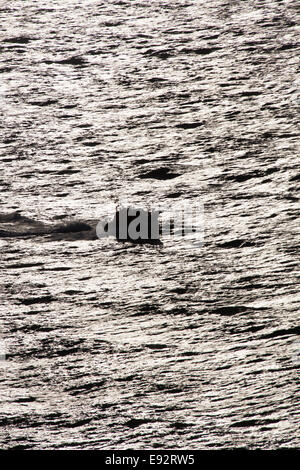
{"x": 133, "y": 225}
{"x": 72, "y": 227}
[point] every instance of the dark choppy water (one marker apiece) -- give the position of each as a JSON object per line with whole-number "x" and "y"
{"x": 122, "y": 346}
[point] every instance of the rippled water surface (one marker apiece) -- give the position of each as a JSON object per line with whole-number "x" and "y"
{"x": 109, "y": 345}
